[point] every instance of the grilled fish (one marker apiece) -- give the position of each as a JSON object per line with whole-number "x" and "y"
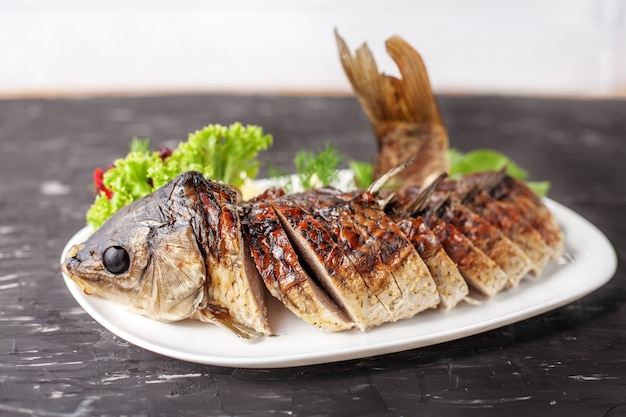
{"x": 403, "y": 112}
{"x": 415, "y": 240}
{"x": 337, "y": 260}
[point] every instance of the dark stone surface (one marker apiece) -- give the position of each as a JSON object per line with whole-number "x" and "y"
{"x": 57, "y": 361}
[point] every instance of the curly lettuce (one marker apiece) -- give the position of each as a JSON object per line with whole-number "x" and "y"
{"x": 223, "y": 153}
{"x": 229, "y": 154}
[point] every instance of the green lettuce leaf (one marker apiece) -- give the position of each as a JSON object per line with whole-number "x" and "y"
{"x": 363, "y": 173}
{"x": 489, "y": 160}
{"x": 222, "y": 153}
{"x": 226, "y": 154}
{"x": 479, "y": 160}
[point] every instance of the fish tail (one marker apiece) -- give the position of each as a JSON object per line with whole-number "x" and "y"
{"x": 403, "y": 111}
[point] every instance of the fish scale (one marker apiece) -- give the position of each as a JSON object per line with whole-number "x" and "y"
{"x": 333, "y": 269}
{"x": 230, "y": 300}
{"x": 399, "y": 255}
{"x": 451, "y": 286}
{"x": 511, "y": 222}
{"x": 335, "y": 213}
{"x": 283, "y": 274}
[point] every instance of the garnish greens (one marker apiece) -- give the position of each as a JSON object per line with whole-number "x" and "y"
{"x": 222, "y": 153}
{"x": 363, "y": 174}
{"x": 462, "y": 164}
{"x": 315, "y": 170}
{"x": 490, "y": 160}
{"x": 229, "y": 154}
{"x": 312, "y": 170}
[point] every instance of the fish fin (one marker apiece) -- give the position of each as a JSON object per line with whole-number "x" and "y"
{"x": 418, "y": 103}
{"x": 219, "y": 315}
{"x": 386, "y": 177}
{"x": 422, "y": 201}
{"x": 380, "y": 182}
{"x": 240, "y": 329}
{"x": 385, "y": 98}
{"x": 484, "y": 182}
{"x": 403, "y": 111}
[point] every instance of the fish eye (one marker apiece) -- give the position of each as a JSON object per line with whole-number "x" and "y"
{"x": 116, "y": 260}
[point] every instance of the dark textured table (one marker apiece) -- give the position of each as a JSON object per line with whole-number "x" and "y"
{"x": 55, "y": 360}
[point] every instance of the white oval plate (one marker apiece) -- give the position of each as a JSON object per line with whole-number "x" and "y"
{"x": 589, "y": 262}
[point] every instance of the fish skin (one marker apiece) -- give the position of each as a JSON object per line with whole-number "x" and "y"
{"x": 510, "y": 221}
{"x": 284, "y": 276}
{"x": 362, "y": 252}
{"x": 336, "y": 214}
{"x": 383, "y": 256}
{"x": 399, "y": 255}
{"x": 450, "y": 284}
{"x": 534, "y": 211}
{"x": 339, "y": 276}
{"x": 512, "y": 191}
{"x": 232, "y": 287}
{"x": 479, "y": 270}
{"x": 488, "y": 238}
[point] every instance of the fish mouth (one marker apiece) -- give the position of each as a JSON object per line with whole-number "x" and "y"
{"x": 71, "y": 259}
{"x": 71, "y": 264}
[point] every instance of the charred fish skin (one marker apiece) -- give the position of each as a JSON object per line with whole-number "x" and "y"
{"x": 383, "y": 256}
{"x": 234, "y": 294}
{"x": 506, "y": 189}
{"x": 333, "y": 210}
{"x": 488, "y": 238}
{"x": 361, "y": 251}
{"x": 475, "y": 192}
{"x": 330, "y": 266}
{"x": 482, "y": 208}
{"x": 479, "y": 270}
{"x": 510, "y": 220}
{"x": 450, "y": 284}
{"x": 399, "y": 255}
{"x": 283, "y": 274}
{"x": 534, "y": 210}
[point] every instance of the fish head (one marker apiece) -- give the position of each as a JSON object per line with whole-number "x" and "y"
{"x": 146, "y": 256}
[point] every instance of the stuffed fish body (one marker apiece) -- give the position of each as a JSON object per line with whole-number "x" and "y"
{"x": 337, "y": 260}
